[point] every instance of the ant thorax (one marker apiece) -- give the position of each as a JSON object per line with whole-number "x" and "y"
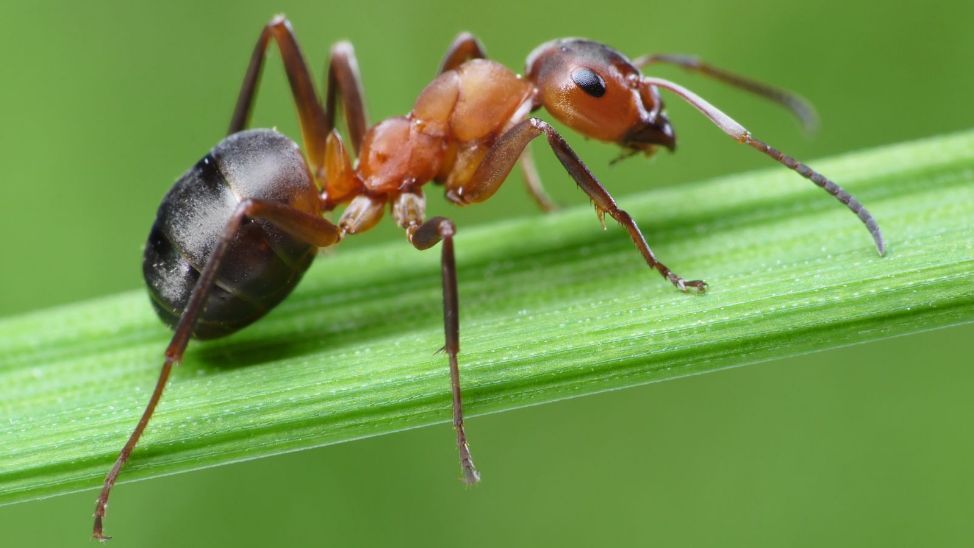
{"x": 454, "y": 122}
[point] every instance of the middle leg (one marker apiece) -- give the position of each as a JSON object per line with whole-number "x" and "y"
{"x": 409, "y": 210}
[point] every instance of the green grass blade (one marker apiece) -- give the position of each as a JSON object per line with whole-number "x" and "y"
{"x": 552, "y": 308}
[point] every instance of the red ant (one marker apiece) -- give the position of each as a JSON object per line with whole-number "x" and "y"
{"x": 237, "y": 231}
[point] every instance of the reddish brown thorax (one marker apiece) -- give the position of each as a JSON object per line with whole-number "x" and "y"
{"x": 454, "y": 122}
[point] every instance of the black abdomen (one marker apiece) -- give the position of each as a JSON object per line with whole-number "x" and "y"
{"x": 262, "y": 264}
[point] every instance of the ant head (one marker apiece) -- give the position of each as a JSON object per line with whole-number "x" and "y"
{"x": 597, "y": 91}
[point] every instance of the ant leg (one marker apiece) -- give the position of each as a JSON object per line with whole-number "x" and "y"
{"x": 314, "y": 128}
{"x": 344, "y": 78}
{"x": 464, "y": 48}
{"x": 799, "y": 106}
{"x": 730, "y": 126}
{"x": 532, "y": 182}
{"x": 314, "y": 230}
{"x": 316, "y": 121}
{"x": 409, "y": 209}
{"x": 500, "y": 159}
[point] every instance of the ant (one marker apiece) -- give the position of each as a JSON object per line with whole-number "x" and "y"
{"x": 236, "y": 232}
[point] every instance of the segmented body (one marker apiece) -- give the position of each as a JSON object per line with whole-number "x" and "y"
{"x": 454, "y": 122}
{"x": 236, "y": 232}
{"x": 262, "y": 265}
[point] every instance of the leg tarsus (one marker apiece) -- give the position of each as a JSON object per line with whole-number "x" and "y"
{"x": 101, "y": 505}
{"x": 470, "y": 473}
{"x": 698, "y": 286}
{"x": 627, "y": 222}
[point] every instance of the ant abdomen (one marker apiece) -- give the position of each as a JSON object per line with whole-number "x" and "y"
{"x": 262, "y": 264}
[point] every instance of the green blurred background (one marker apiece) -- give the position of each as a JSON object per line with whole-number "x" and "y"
{"x": 103, "y": 104}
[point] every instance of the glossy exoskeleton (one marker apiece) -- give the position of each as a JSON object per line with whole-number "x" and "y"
{"x": 236, "y": 232}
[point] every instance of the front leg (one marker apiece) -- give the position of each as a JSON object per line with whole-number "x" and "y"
{"x": 501, "y": 157}
{"x": 409, "y": 210}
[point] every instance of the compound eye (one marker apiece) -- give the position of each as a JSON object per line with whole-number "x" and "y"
{"x": 590, "y": 82}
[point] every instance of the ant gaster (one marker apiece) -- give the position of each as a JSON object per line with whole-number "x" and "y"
{"x": 237, "y": 231}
